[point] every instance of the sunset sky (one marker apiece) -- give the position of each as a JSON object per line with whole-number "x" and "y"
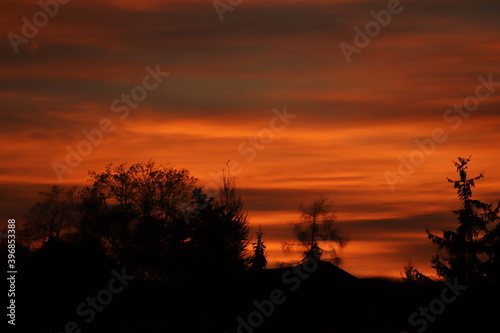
{"x": 349, "y": 125}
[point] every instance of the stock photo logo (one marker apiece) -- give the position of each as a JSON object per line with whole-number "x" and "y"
{"x": 291, "y": 281}
{"x": 92, "y": 306}
{"x": 427, "y": 315}
{"x": 31, "y": 27}
{"x": 121, "y": 106}
{"x": 454, "y": 115}
{"x": 371, "y": 30}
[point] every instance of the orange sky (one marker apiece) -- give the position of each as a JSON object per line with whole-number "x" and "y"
{"x": 352, "y": 121}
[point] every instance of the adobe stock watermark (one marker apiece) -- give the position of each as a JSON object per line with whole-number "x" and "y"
{"x": 93, "y": 305}
{"x": 121, "y": 106}
{"x": 427, "y": 146}
{"x": 371, "y": 30}
{"x": 248, "y": 148}
{"x": 292, "y": 278}
{"x": 222, "y": 6}
{"x": 40, "y": 19}
{"x": 436, "y": 307}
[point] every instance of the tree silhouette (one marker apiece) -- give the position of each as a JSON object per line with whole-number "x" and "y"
{"x": 258, "y": 260}
{"x": 229, "y": 199}
{"x": 217, "y": 235}
{"x": 136, "y": 215}
{"x": 91, "y": 212}
{"x": 466, "y": 252}
{"x": 317, "y": 226}
{"x": 52, "y": 216}
{"x": 127, "y": 210}
{"x": 229, "y": 202}
{"x": 145, "y": 190}
{"x": 139, "y": 204}
{"x": 491, "y": 268}
{"x": 413, "y": 276}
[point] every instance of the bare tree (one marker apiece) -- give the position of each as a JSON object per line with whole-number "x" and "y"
{"x": 145, "y": 190}
{"x": 317, "y": 227}
{"x": 53, "y": 215}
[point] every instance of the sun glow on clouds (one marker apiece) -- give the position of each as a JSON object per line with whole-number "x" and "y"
{"x": 353, "y": 121}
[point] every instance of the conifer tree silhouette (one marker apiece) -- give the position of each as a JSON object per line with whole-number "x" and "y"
{"x": 259, "y": 261}
{"x": 464, "y": 253}
{"x": 413, "y": 276}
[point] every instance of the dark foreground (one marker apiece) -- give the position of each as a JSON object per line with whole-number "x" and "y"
{"x": 54, "y": 296}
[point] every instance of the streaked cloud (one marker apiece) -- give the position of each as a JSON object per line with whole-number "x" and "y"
{"x": 353, "y": 121}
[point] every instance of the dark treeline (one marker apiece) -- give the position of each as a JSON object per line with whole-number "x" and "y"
{"x": 185, "y": 265}
{"x": 148, "y": 217}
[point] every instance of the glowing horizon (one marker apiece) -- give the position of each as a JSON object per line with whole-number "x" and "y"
{"x": 353, "y": 122}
